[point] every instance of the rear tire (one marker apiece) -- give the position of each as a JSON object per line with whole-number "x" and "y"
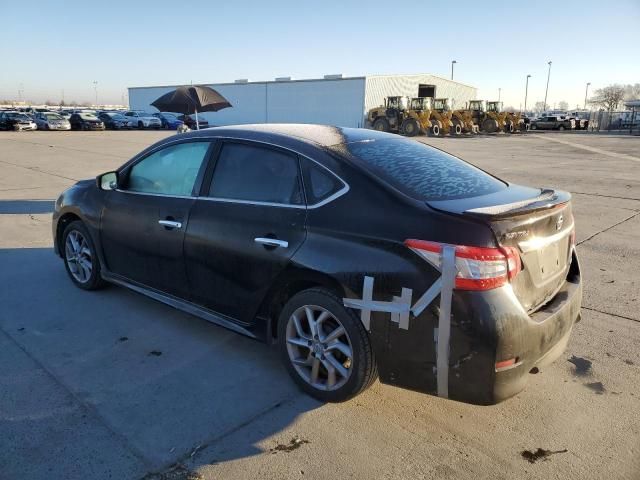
{"x": 381, "y": 125}
{"x": 80, "y": 257}
{"x": 307, "y": 356}
{"x": 561, "y": 128}
{"x": 457, "y": 128}
{"x": 534, "y": 126}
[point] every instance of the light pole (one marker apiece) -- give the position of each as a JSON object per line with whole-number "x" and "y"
{"x": 452, "y": 63}
{"x": 526, "y": 90}
{"x": 499, "y": 93}
{"x": 547, "y": 89}
{"x": 95, "y": 87}
{"x": 586, "y": 90}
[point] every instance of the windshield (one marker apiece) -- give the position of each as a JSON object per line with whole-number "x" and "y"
{"x": 420, "y": 171}
{"x": 88, "y": 116}
{"x": 52, "y": 116}
{"x": 19, "y": 116}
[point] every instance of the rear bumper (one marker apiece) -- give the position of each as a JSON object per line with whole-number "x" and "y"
{"x": 504, "y": 331}
{"x": 486, "y": 327}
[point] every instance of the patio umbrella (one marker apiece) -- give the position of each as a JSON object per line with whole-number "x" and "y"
{"x": 191, "y": 99}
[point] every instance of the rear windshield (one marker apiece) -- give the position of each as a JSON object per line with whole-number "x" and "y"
{"x": 420, "y": 171}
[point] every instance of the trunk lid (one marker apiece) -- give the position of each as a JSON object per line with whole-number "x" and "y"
{"x": 539, "y": 223}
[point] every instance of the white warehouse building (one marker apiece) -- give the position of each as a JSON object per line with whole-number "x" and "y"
{"x": 332, "y": 100}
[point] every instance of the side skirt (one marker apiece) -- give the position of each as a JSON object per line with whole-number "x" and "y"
{"x": 179, "y": 304}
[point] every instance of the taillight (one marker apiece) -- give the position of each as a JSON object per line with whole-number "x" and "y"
{"x": 478, "y": 268}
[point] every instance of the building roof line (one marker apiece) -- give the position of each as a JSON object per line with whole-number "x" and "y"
{"x": 264, "y": 82}
{"x": 257, "y": 82}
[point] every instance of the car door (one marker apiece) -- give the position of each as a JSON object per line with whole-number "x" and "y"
{"x": 143, "y": 221}
{"x": 244, "y": 228}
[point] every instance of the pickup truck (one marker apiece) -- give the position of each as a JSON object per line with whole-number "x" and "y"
{"x": 552, "y": 123}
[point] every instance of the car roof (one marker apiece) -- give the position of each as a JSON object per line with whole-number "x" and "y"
{"x": 322, "y": 135}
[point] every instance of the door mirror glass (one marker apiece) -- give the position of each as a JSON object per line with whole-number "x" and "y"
{"x": 108, "y": 181}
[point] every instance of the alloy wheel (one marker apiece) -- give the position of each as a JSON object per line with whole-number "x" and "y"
{"x": 78, "y": 256}
{"x": 319, "y": 347}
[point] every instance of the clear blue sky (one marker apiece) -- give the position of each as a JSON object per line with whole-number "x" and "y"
{"x": 48, "y": 46}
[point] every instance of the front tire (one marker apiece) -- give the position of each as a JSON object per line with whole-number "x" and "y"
{"x": 80, "y": 257}
{"x": 325, "y": 347}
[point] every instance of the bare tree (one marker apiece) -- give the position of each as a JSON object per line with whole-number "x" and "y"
{"x": 632, "y": 92}
{"x": 563, "y": 105}
{"x": 608, "y": 97}
{"x": 539, "y": 107}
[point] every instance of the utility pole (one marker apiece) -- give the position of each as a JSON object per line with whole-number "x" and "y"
{"x": 499, "y": 93}
{"x": 526, "y": 91}
{"x": 453, "y": 62}
{"x": 547, "y": 89}
{"x": 95, "y": 87}
{"x": 586, "y": 90}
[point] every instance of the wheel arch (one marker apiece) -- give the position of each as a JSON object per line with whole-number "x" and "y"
{"x": 64, "y": 220}
{"x": 290, "y": 282}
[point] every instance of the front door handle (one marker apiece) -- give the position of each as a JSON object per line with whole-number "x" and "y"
{"x": 170, "y": 224}
{"x": 271, "y": 242}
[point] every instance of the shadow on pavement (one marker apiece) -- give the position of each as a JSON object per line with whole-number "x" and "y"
{"x": 26, "y": 206}
{"x": 158, "y": 383}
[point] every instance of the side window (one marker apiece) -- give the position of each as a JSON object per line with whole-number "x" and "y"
{"x": 170, "y": 171}
{"x": 258, "y": 174}
{"x": 319, "y": 182}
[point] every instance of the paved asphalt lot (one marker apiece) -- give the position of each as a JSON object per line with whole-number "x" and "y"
{"x": 111, "y": 384}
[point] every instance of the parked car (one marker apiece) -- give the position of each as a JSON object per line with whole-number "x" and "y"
{"x": 85, "y": 121}
{"x": 552, "y": 123}
{"x": 12, "y": 120}
{"x": 52, "y": 121}
{"x": 457, "y": 283}
{"x": 169, "y": 120}
{"x": 115, "y": 121}
{"x": 190, "y": 121}
{"x": 143, "y": 119}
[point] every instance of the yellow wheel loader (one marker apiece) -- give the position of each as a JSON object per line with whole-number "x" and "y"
{"x": 441, "y": 114}
{"x": 494, "y": 111}
{"x": 483, "y": 121}
{"x": 417, "y": 117}
{"x": 390, "y": 116}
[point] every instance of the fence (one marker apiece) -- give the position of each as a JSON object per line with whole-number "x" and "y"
{"x": 602, "y": 121}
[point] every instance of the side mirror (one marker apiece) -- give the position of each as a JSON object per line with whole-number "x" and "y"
{"x": 107, "y": 181}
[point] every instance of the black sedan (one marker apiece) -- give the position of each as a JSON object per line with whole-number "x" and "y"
{"x": 85, "y": 121}
{"x": 16, "y": 121}
{"x": 360, "y": 253}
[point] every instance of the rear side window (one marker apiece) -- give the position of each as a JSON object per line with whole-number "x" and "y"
{"x": 420, "y": 171}
{"x": 319, "y": 182}
{"x": 256, "y": 174}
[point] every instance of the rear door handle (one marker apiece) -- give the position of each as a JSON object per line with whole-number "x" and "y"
{"x": 170, "y": 224}
{"x": 271, "y": 242}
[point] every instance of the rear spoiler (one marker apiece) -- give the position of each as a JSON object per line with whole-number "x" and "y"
{"x": 547, "y": 198}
